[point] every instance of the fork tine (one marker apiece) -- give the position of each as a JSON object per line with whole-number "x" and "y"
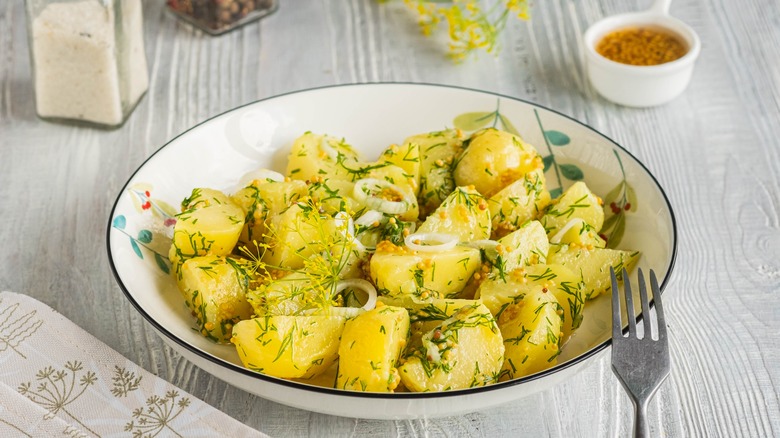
{"x": 648, "y": 321}
{"x": 629, "y": 305}
{"x": 641, "y": 365}
{"x": 659, "y": 308}
{"x": 617, "y": 324}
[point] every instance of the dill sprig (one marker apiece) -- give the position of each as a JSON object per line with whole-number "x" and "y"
{"x": 471, "y": 24}
{"x": 327, "y": 251}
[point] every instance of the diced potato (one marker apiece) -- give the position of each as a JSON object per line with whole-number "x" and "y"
{"x": 531, "y": 332}
{"x": 388, "y": 172}
{"x": 301, "y": 237}
{"x": 255, "y": 215}
{"x": 560, "y": 281}
{"x": 494, "y": 159}
{"x": 438, "y": 151}
{"x": 523, "y": 247}
{"x": 436, "y": 310}
{"x": 464, "y": 351}
{"x": 290, "y": 295}
{"x": 176, "y": 262}
{"x": 315, "y": 155}
{"x": 289, "y": 346}
{"x": 593, "y": 264}
{"x": 214, "y": 289}
{"x": 325, "y": 379}
{"x": 464, "y": 214}
{"x": 290, "y": 235}
{"x": 406, "y": 157}
{"x": 526, "y": 246}
{"x": 278, "y": 196}
{"x": 386, "y": 228}
{"x": 203, "y": 197}
{"x": 261, "y": 201}
{"x": 519, "y": 202}
{"x": 370, "y": 347}
{"x": 427, "y": 316}
{"x": 577, "y": 202}
{"x": 497, "y": 293}
{"x": 578, "y": 232}
{"x": 569, "y": 290}
{"x": 403, "y": 186}
{"x": 348, "y": 258}
{"x": 206, "y": 230}
{"x": 336, "y": 253}
{"x": 399, "y": 272}
{"x": 335, "y": 195}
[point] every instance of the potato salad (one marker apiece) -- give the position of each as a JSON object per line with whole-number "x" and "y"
{"x": 442, "y": 265}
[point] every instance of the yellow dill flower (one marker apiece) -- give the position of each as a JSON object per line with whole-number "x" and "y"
{"x": 318, "y": 249}
{"x": 428, "y": 17}
{"x": 471, "y": 24}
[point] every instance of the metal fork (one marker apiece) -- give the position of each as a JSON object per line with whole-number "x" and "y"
{"x": 643, "y": 364}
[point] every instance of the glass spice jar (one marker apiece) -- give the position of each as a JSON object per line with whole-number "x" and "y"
{"x": 219, "y": 16}
{"x": 88, "y": 59}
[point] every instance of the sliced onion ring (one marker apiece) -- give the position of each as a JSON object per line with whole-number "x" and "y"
{"x": 329, "y": 150}
{"x": 445, "y": 242}
{"x": 432, "y": 350}
{"x": 569, "y": 225}
{"x": 343, "y": 219}
{"x": 369, "y": 218}
{"x": 358, "y": 246}
{"x": 382, "y": 205}
{"x": 262, "y": 175}
{"x": 363, "y": 285}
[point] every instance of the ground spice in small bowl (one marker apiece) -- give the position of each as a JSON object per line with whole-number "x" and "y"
{"x": 641, "y": 46}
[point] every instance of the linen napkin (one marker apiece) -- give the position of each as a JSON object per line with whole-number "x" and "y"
{"x": 58, "y": 380}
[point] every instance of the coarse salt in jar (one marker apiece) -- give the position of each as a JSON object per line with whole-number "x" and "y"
{"x": 88, "y": 59}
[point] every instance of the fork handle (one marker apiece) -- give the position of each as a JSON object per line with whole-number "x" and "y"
{"x": 641, "y": 429}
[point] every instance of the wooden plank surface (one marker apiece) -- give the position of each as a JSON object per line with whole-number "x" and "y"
{"x": 715, "y": 150}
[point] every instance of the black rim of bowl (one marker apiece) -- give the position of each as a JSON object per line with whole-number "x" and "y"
{"x": 370, "y": 395}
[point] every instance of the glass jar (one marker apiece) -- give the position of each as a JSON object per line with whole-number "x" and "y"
{"x": 219, "y": 16}
{"x": 88, "y": 59}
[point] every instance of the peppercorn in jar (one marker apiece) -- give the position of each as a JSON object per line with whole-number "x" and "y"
{"x": 219, "y": 16}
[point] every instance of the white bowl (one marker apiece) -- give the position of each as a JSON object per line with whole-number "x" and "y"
{"x": 219, "y": 151}
{"x": 641, "y": 86}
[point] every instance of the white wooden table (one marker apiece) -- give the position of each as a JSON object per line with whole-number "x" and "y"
{"x": 715, "y": 150}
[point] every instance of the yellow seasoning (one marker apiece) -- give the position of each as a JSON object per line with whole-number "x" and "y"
{"x": 641, "y": 46}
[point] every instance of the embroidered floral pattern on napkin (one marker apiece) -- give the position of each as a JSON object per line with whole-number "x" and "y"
{"x": 58, "y": 380}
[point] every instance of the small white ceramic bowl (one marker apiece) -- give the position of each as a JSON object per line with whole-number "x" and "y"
{"x": 641, "y": 86}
